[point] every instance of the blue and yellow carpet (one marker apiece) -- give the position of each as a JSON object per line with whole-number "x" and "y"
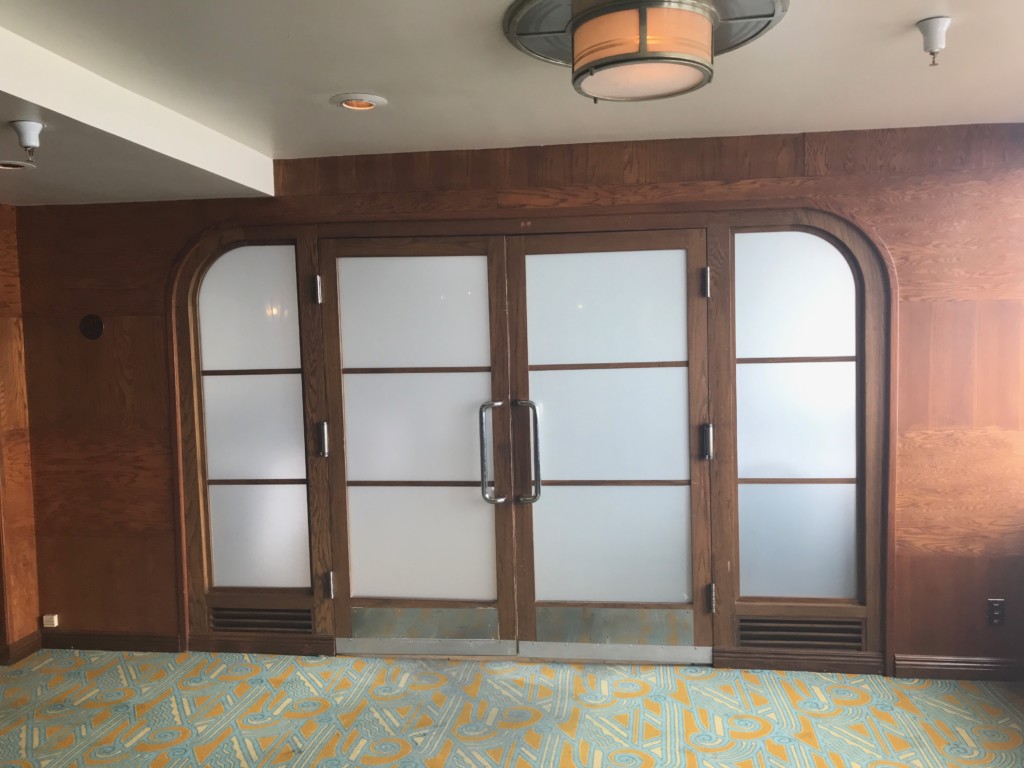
{"x": 68, "y": 708}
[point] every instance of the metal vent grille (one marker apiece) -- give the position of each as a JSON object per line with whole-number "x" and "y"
{"x": 261, "y": 619}
{"x": 813, "y": 634}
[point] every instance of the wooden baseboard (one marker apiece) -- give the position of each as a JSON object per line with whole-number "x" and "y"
{"x": 251, "y": 642}
{"x": 959, "y": 667}
{"x": 104, "y": 641}
{"x": 799, "y": 660}
{"x": 20, "y": 649}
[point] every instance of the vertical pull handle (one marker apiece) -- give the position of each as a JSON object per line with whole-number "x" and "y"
{"x": 324, "y": 438}
{"x": 707, "y": 442}
{"x": 536, "y": 451}
{"x": 483, "y": 452}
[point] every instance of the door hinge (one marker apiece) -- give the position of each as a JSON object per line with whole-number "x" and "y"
{"x": 707, "y": 442}
{"x": 324, "y": 435}
{"x": 330, "y": 585}
{"x": 318, "y": 289}
{"x": 712, "y": 598}
{"x": 705, "y": 282}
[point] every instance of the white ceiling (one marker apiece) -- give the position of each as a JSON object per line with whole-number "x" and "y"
{"x": 261, "y": 72}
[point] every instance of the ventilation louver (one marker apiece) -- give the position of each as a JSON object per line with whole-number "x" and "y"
{"x": 261, "y": 620}
{"x": 811, "y": 634}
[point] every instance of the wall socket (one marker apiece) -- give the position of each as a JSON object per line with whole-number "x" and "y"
{"x": 51, "y": 620}
{"x": 996, "y": 611}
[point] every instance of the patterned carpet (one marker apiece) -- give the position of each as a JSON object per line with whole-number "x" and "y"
{"x": 67, "y": 708}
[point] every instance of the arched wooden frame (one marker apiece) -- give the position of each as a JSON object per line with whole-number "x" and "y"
{"x": 874, "y": 272}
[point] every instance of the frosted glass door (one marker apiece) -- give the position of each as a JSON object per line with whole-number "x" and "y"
{"x": 796, "y": 417}
{"x": 415, "y": 351}
{"x": 254, "y": 424}
{"x": 608, "y": 372}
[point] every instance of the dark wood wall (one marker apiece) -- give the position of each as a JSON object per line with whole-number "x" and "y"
{"x": 19, "y": 589}
{"x": 947, "y": 204}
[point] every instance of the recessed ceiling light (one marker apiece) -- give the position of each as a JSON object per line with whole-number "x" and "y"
{"x": 360, "y": 102}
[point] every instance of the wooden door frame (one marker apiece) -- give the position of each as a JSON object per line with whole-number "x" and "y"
{"x": 875, "y": 262}
{"x": 693, "y": 241}
{"x": 331, "y": 249}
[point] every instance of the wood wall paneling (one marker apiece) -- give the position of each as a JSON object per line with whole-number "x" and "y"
{"x": 943, "y": 203}
{"x": 19, "y": 588}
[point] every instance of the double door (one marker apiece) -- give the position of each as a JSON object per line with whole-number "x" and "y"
{"x": 523, "y": 464}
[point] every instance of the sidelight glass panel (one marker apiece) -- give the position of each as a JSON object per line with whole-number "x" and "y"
{"x": 616, "y": 424}
{"x": 414, "y": 311}
{"x": 796, "y": 420}
{"x": 795, "y": 297}
{"x": 798, "y": 540}
{"x": 248, "y": 310}
{"x": 254, "y": 427}
{"x": 615, "y": 307}
{"x": 414, "y": 426}
{"x": 260, "y": 535}
{"x": 421, "y": 543}
{"x": 613, "y": 544}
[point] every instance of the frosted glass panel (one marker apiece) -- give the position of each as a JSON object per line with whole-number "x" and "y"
{"x": 248, "y": 311}
{"x": 795, "y": 297}
{"x": 414, "y": 426}
{"x": 620, "y": 424}
{"x": 613, "y": 544}
{"x": 414, "y": 311}
{"x": 254, "y": 427}
{"x": 260, "y": 535}
{"x": 617, "y": 307}
{"x": 796, "y": 420}
{"x": 798, "y": 540}
{"x": 421, "y": 542}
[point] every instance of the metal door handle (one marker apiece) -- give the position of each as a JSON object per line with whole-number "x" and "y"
{"x": 483, "y": 452}
{"x": 536, "y": 452}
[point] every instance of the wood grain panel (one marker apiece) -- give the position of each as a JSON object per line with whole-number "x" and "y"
{"x": 120, "y": 584}
{"x": 960, "y": 492}
{"x": 19, "y": 583}
{"x": 915, "y": 150}
{"x": 21, "y": 588}
{"x": 952, "y": 622}
{"x": 10, "y": 282}
{"x": 121, "y": 487}
{"x": 105, "y": 390}
{"x": 999, "y": 387}
{"x": 642, "y": 162}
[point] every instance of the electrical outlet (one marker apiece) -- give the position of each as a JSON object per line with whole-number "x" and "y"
{"x": 996, "y": 611}
{"x": 51, "y": 620}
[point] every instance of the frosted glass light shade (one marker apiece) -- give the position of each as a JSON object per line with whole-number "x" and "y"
{"x": 643, "y": 53}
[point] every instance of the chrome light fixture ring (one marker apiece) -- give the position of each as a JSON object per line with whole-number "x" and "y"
{"x": 617, "y": 61}
{"x": 602, "y": 7}
{"x": 540, "y": 28}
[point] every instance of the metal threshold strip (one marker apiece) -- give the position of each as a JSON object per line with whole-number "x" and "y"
{"x": 595, "y": 652}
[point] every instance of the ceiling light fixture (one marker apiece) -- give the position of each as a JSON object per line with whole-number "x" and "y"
{"x": 638, "y": 50}
{"x": 28, "y": 137}
{"x": 933, "y": 31}
{"x": 360, "y": 102}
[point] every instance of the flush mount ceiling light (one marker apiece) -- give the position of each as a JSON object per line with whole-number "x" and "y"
{"x": 637, "y": 50}
{"x": 28, "y": 137}
{"x": 360, "y": 102}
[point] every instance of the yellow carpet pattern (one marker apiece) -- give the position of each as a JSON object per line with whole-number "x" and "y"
{"x": 85, "y": 708}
